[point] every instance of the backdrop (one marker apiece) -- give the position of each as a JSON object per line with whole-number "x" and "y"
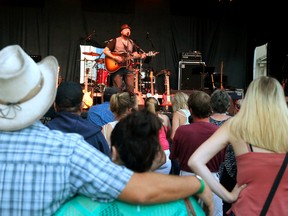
{"x": 222, "y": 33}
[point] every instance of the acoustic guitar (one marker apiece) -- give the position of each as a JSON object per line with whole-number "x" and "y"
{"x": 112, "y": 66}
{"x": 87, "y": 99}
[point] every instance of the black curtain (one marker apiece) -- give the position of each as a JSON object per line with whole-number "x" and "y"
{"x": 58, "y": 27}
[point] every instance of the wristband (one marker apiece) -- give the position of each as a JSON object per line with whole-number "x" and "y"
{"x": 202, "y": 186}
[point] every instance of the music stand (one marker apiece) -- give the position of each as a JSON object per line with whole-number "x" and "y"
{"x": 204, "y": 71}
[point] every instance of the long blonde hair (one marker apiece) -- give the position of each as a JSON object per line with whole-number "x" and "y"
{"x": 263, "y": 117}
{"x": 180, "y": 101}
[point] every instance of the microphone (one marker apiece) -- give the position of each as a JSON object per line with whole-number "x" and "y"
{"x": 147, "y": 35}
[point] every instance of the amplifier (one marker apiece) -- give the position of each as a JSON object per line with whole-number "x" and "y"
{"x": 190, "y": 75}
{"x": 236, "y": 94}
{"x": 194, "y": 56}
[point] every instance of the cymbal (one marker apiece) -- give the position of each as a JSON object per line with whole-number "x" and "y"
{"x": 91, "y": 53}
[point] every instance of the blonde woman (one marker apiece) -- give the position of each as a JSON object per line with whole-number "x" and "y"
{"x": 258, "y": 134}
{"x": 120, "y": 104}
{"x": 181, "y": 112}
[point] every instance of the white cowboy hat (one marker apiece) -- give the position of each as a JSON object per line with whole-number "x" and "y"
{"x": 27, "y": 88}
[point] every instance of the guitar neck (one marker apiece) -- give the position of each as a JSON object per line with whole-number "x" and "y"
{"x": 212, "y": 79}
{"x": 86, "y": 80}
{"x": 221, "y": 76}
{"x": 136, "y": 80}
{"x": 167, "y": 85}
{"x": 152, "y": 84}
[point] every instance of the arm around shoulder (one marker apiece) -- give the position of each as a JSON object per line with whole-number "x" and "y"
{"x": 150, "y": 188}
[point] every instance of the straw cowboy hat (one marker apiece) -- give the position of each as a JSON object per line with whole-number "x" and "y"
{"x": 27, "y": 88}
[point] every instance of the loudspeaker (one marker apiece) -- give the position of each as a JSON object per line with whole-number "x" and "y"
{"x": 189, "y": 75}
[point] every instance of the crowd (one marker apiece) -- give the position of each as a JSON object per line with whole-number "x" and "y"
{"x": 123, "y": 157}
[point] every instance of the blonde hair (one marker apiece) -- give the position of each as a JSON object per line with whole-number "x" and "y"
{"x": 263, "y": 118}
{"x": 151, "y": 104}
{"x": 180, "y": 101}
{"x": 120, "y": 103}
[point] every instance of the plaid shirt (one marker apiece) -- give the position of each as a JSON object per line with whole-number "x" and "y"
{"x": 40, "y": 169}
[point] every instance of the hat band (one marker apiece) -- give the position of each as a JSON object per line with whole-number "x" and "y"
{"x": 30, "y": 94}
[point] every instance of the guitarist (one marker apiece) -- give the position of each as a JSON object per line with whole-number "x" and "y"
{"x": 122, "y": 50}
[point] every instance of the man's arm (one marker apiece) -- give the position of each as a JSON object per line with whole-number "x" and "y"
{"x": 150, "y": 187}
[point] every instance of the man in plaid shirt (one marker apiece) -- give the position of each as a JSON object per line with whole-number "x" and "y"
{"x": 40, "y": 169}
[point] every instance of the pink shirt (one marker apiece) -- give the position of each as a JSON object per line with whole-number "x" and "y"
{"x": 258, "y": 171}
{"x": 163, "y": 139}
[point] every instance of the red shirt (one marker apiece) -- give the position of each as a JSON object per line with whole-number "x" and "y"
{"x": 188, "y": 138}
{"x": 258, "y": 171}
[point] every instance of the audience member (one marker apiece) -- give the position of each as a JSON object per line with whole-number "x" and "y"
{"x": 135, "y": 145}
{"x": 68, "y": 104}
{"x": 43, "y": 168}
{"x": 180, "y": 116}
{"x": 258, "y": 134}
{"x": 121, "y": 104}
{"x": 189, "y": 137}
{"x": 220, "y": 103}
{"x": 181, "y": 112}
{"x": 151, "y": 104}
{"x": 100, "y": 114}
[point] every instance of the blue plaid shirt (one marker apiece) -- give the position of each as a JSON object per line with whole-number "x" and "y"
{"x": 40, "y": 169}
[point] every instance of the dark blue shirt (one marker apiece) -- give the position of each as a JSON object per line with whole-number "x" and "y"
{"x": 71, "y": 123}
{"x": 100, "y": 114}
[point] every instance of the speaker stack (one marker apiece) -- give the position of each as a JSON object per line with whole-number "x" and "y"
{"x": 193, "y": 72}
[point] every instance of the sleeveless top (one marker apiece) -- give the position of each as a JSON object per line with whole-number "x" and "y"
{"x": 258, "y": 170}
{"x": 186, "y": 114}
{"x": 163, "y": 138}
{"x": 105, "y": 127}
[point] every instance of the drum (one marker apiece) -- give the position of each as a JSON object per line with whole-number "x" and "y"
{"x": 102, "y": 76}
{"x": 143, "y": 74}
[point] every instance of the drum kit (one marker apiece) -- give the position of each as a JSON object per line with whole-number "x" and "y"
{"x": 102, "y": 74}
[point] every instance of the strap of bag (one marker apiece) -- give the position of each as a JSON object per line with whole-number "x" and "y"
{"x": 274, "y": 187}
{"x": 189, "y": 207}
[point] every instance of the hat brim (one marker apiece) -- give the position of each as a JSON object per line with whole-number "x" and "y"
{"x": 28, "y": 112}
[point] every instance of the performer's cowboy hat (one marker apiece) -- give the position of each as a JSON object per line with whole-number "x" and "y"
{"x": 27, "y": 88}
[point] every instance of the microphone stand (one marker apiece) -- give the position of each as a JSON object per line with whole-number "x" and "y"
{"x": 150, "y": 42}
{"x": 89, "y": 36}
{"x": 139, "y": 48}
